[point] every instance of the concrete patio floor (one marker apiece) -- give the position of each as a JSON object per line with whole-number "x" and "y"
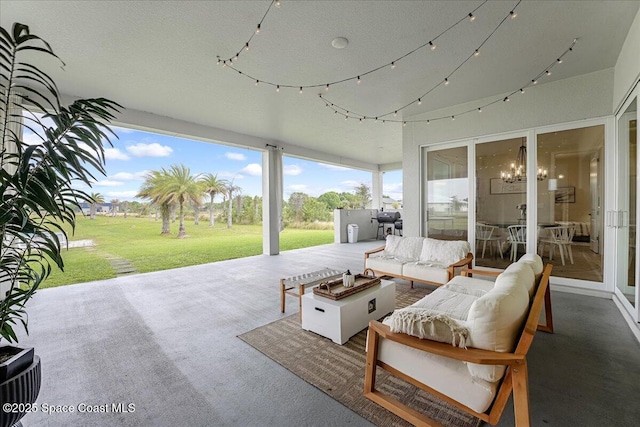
{"x": 166, "y": 342}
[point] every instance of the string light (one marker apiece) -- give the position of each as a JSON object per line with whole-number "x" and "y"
{"x": 470, "y": 15}
{"x": 300, "y": 89}
{"x": 478, "y": 109}
{"x": 548, "y": 73}
{"x": 476, "y": 53}
{"x": 278, "y": 88}
{"x": 559, "y": 60}
{"x": 446, "y": 81}
{"x": 358, "y": 79}
{"x": 327, "y": 88}
{"x": 419, "y": 101}
{"x": 257, "y": 81}
{"x": 513, "y": 14}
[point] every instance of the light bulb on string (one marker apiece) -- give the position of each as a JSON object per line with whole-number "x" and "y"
{"x": 453, "y": 118}
{"x": 433, "y": 45}
{"x": 258, "y": 29}
{"x": 513, "y": 14}
{"x": 246, "y": 46}
{"x": 327, "y": 87}
{"x": 480, "y": 110}
{"x": 358, "y": 79}
{"x": 235, "y": 58}
{"x": 506, "y": 99}
{"x": 446, "y": 81}
{"x": 278, "y": 88}
{"x": 395, "y": 113}
{"x": 277, "y": 3}
{"x": 393, "y": 65}
{"x": 476, "y": 53}
{"x": 548, "y": 73}
{"x": 300, "y": 89}
{"x": 472, "y": 17}
{"x": 257, "y": 81}
{"x": 224, "y": 63}
{"x": 404, "y": 124}
{"x": 219, "y": 60}
{"x": 428, "y": 122}
{"x": 534, "y": 81}
{"x": 419, "y": 101}
{"x": 521, "y": 90}
{"x": 559, "y": 60}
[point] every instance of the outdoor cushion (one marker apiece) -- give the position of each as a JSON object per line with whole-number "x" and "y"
{"x": 448, "y": 376}
{"x": 388, "y": 265}
{"x": 445, "y": 252}
{"x": 469, "y": 285}
{"x": 535, "y": 262}
{"x": 525, "y": 275}
{"x": 429, "y": 271}
{"x": 444, "y": 301}
{"x": 495, "y": 320}
{"x": 406, "y": 249}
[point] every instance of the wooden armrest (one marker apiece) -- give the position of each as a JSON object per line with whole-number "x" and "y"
{"x": 469, "y": 272}
{"x": 373, "y": 251}
{"x": 464, "y": 261}
{"x": 472, "y": 355}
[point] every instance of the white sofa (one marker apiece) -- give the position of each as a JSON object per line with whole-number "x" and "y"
{"x": 450, "y": 341}
{"x": 419, "y": 259}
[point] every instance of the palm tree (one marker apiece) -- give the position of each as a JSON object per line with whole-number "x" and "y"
{"x": 230, "y": 189}
{"x": 125, "y": 207}
{"x": 212, "y": 186}
{"x": 96, "y": 199}
{"x": 114, "y": 206}
{"x": 179, "y": 188}
{"x": 153, "y": 189}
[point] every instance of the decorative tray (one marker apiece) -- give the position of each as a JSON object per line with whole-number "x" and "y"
{"x": 335, "y": 289}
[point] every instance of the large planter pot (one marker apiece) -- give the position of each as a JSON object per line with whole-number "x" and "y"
{"x": 21, "y": 390}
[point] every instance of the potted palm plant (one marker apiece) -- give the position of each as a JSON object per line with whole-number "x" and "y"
{"x": 38, "y": 192}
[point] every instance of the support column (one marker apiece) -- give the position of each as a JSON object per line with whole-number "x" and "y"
{"x": 376, "y": 189}
{"x": 271, "y": 200}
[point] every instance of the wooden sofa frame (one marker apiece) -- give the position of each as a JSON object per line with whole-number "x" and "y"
{"x": 464, "y": 262}
{"x": 515, "y": 378}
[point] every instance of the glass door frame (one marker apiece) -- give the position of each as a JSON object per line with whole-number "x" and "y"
{"x": 621, "y": 207}
{"x": 424, "y": 150}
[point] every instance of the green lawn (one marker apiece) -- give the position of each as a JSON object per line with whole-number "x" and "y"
{"x": 138, "y": 240}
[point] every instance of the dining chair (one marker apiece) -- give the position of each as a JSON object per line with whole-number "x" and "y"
{"x": 560, "y": 236}
{"x": 484, "y": 234}
{"x": 517, "y": 237}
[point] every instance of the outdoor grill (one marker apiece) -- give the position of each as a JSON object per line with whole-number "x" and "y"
{"x": 386, "y": 218}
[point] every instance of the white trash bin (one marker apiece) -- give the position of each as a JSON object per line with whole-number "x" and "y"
{"x": 352, "y": 233}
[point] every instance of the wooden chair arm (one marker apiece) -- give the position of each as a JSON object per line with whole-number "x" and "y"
{"x": 470, "y": 272}
{"x": 471, "y": 355}
{"x": 373, "y": 251}
{"x": 464, "y": 261}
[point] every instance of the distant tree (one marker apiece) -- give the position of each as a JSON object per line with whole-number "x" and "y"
{"x": 96, "y": 199}
{"x": 196, "y": 213}
{"x": 212, "y": 186}
{"x": 314, "y": 210}
{"x": 331, "y": 199}
{"x": 295, "y": 206}
{"x": 179, "y": 188}
{"x": 125, "y": 207}
{"x": 152, "y": 189}
{"x": 256, "y": 208}
{"x": 349, "y": 200}
{"x": 114, "y": 206}
{"x": 230, "y": 190}
{"x": 363, "y": 193}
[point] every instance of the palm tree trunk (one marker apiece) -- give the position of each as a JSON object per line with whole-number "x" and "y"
{"x": 92, "y": 211}
{"x": 181, "y": 230}
{"x": 164, "y": 212}
{"x": 211, "y": 213}
{"x": 230, "y": 212}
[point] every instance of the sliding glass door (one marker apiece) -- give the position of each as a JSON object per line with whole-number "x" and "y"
{"x": 625, "y": 218}
{"x": 446, "y": 191}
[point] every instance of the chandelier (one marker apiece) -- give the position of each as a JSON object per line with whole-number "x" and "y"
{"x": 518, "y": 171}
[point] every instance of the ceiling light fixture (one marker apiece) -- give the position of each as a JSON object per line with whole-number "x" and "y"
{"x": 340, "y": 42}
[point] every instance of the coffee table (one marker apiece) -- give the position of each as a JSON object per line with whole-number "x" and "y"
{"x": 340, "y": 320}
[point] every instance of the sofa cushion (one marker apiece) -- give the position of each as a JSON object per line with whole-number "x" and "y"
{"x": 444, "y": 251}
{"x": 469, "y": 285}
{"x": 452, "y": 304}
{"x": 535, "y": 262}
{"x": 426, "y": 271}
{"x": 448, "y": 376}
{"x": 384, "y": 264}
{"x": 495, "y": 320}
{"x": 524, "y": 275}
{"x": 403, "y": 248}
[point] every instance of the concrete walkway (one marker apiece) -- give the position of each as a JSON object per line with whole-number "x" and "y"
{"x": 166, "y": 342}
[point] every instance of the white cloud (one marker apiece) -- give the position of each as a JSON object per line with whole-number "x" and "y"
{"x": 298, "y": 187}
{"x": 115, "y": 154}
{"x": 127, "y": 176}
{"x": 121, "y": 194}
{"x": 253, "y": 169}
{"x": 235, "y": 156}
{"x": 334, "y": 167}
{"x": 108, "y": 183}
{"x": 292, "y": 170}
{"x": 351, "y": 184}
{"x": 149, "y": 150}
{"x": 229, "y": 175}
{"x": 392, "y": 188}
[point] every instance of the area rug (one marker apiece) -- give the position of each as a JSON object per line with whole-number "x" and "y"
{"x": 339, "y": 370}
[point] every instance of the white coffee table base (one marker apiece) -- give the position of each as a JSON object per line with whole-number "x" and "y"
{"x": 342, "y": 319}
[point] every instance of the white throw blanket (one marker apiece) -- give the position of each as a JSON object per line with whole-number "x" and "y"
{"x": 428, "y": 324}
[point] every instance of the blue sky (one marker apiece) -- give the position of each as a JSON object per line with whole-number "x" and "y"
{"x": 136, "y": 152}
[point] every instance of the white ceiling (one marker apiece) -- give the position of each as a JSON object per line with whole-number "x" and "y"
{"x": 160, "y": 57}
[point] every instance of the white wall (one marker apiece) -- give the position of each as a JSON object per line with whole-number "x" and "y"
{"x": 627, "y": 70}
{"x": 582, "y": 97}
{"x": 367, "y": 227}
